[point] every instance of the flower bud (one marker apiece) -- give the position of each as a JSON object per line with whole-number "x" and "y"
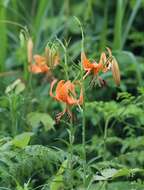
{"x": 115, "y": 71}
{"x": 30, "y": 50}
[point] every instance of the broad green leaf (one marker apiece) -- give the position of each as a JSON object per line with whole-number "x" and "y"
{"x": 99, "y": 178}
{"x": 105, "y": 174}
{"x": 19, "y": 88}
{"x": 22, "y": 140}
{"x": 35, "y": 118}
{"x": 11, "y": 87}
{"x": 108, "y": 173}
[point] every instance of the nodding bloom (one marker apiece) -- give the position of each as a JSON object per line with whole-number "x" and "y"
{"x": 65, "y": 92}
{"x": 42, "y": 64}
{"x": 105, "y": 64}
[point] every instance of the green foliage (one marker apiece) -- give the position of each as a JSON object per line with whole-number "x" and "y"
{"x": 37, "y": 152}
{"x": 3, "y": 36}
{"x": 22, "y": 140}
{"x": 35, "y": 118}
{"x": 33, "y": 162}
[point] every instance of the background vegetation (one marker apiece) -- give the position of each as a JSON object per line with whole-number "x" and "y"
{"x": 33, "y": 148}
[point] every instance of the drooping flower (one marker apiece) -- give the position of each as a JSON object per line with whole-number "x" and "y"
{"x": 66, "y": 92}
{"x": 94, "y": 67}
{"x": 42, "y": 64}
{"x": 105, "y": 64}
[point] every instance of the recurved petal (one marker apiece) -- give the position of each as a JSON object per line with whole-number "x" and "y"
{"x": 56, "y": 60}
{"x": 44, "y": 68}
{"x": 109, "y": 51}
{"x": 59, "y": 86}
{"x": 86, "y": 63}
{"x": 71, "y": 101}
{"x": 39, "y": 60}
{"x": 51, "y": 88}
{"x": 102, "y": 58}
{"x": 62, "y": 94}
{"x": 35, "y": 69}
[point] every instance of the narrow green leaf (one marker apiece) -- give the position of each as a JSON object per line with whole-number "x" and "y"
{"x": 3, "y": 37}
{"x": 40, "y": 18}
{"x": 118, "y": 25}
{"x": 130, "y": 21}
{"x": 104, "y": 29}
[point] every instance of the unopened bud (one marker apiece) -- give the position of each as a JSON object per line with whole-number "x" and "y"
{"x": 115, "y": 71}
{"x": 30, "y": 50}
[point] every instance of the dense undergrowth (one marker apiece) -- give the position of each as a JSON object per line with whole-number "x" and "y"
{"x": 102, "y": 147}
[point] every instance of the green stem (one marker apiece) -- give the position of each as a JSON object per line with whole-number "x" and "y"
{"x": 66, "y": 66}
{"x": 13, "y": 114}
{"x": 84, "y": 143}
{"x": 105, "y": 136}
{"x": 83, "y": 110}
{"x": 71, "y": 139}
{"x": 65, "y": 59}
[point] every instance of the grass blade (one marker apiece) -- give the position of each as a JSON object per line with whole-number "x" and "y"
{"x": 40, "y": 18}
{"x": 130, "y": 21}
{"x": 118, "y": 26}
{"x": 104, "y": 32}
{"x": 3, "y": 38}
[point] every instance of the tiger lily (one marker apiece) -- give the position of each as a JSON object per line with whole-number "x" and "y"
{"x": 105, "y": 64}
{"x": 66, "y": 93}
{"x": 95, "y": 68}
{"x": 42, "y": 64}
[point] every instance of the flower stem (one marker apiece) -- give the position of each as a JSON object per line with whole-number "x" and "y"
{"x": 12, "y": 105}
{"x": 105, "y": 137}
{"x": 84, "y": 140}
{"x": 65, "y": 59}
{"x": 71, "y": 139}
{"x": 83, "y": 111}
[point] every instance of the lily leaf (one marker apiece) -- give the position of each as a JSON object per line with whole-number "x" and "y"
{"x": 17, "y": 87}
{"x": 35, "y": 118}
{"x": 22, "y": 140}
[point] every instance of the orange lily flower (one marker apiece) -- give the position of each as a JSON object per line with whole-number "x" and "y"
{"x": 42, "y": 64}
{"x": 95, "y": 68}
{"x": 66, "y": 93}
{"x": 105, "y": 64}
